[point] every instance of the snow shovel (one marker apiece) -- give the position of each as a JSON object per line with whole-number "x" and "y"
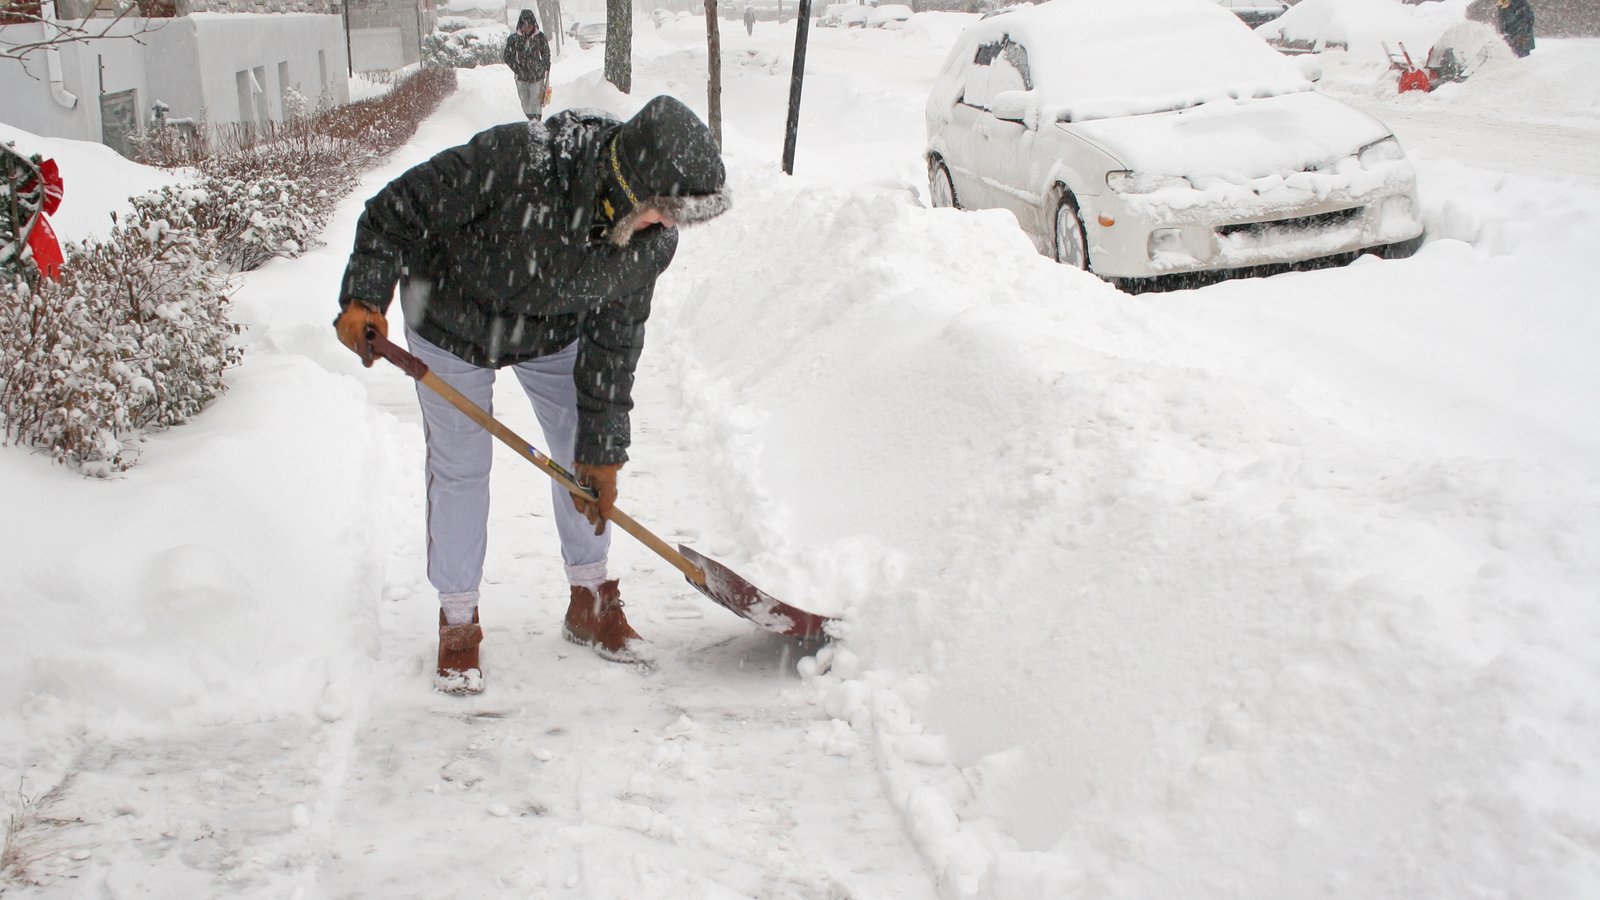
{"x": 710, "y": 577}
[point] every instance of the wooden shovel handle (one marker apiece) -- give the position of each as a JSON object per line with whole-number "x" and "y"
{"x": 418, "y": 369}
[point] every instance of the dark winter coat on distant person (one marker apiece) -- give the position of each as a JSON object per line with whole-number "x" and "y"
{"x": 528, "y": 55}
{"x": 1516, "y": 24}
{"x": 505, "y": 235}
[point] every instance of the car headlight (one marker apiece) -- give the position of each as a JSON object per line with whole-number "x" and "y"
{"x": 1125, "y": 182}
{"x": 1379, "y": 152}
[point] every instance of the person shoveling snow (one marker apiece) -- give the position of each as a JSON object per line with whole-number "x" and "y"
{"x": 535, "y": 247}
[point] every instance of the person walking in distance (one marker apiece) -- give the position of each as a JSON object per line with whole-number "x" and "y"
{"x": 534, "y": 249}
{"x": 1516, "y": 25}
{"x": 749, "y": 19}
{"x": 527, "y": 54}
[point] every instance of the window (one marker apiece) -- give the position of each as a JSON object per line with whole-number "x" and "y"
{"x": 286, "y": 110}
{"x": 996, "y": 67}
{"x": 252, "y": 95}
{"x": 258, "y": 76}
{"x": 242, "y": 81}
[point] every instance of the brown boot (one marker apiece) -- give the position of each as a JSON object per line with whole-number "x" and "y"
{"x": 458, "y": 657}
{"x": 595, "y": 619}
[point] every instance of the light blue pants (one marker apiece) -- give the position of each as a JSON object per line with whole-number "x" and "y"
{"x": 531, "y": 95}
{"x": 459, "y": 452}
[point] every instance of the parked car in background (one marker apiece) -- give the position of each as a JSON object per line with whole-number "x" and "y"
{"x": 1220, "y": 157}
{"x": 854, "y": 16}
{"x": 888, "y": 15}
{"x": 1255, "y": 12}
{"x": 832, "y": 16}
{"x": 587, "y": 34}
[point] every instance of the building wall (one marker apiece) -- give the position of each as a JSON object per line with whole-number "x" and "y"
{"x": 26, "y": 99}
{"x": 230, "y": 43}
{"x": 392, "y": 31}
{"x": 190, "y": 63}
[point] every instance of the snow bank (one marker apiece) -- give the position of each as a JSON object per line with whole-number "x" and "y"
{"x": 1129, "y": 612}
{"x": 86, "y": 206}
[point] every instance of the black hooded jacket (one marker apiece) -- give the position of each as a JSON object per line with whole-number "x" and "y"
{"x": 527, "y": 55}
{"x": 1516, "y": 23}
{"x": 500, "y": 241}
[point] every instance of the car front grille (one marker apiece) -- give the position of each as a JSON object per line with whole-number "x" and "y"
{"x": 1318, "y": 222}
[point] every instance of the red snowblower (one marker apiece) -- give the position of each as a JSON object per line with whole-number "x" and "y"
{"x": 1440, "y": 67}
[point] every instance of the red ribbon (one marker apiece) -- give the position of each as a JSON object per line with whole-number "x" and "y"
{"x": 42, "y": 239}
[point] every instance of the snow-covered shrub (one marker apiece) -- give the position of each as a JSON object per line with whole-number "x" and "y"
{"x": 171, "y": 146}
{"x": 466, "y": 48}
{"x": 247, "y": 220}
{"x": 384, "y": 123}
{"x": 136, "y": 333}
{"x": 296, "y": 106}
{"x": 135, "y": 336}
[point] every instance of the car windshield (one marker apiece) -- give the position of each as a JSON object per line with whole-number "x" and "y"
{"x": 1089, "y": 59}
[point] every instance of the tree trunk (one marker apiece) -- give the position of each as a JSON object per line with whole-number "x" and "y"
{"x": 619, "y": 44}
{"x": 714, "y": 73}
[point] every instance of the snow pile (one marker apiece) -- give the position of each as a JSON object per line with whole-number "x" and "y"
{"x": 1169, "y": 618}
{"x": 1365, "y": 26}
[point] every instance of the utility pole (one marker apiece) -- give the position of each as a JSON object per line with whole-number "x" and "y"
{"x": 791, "y": 133}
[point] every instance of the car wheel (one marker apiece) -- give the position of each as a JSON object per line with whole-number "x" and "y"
{"x": 1070, "y": 245}
{"x": 941, "y": 190}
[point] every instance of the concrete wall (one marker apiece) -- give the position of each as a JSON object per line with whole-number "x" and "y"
{"x": 233, "y": 42}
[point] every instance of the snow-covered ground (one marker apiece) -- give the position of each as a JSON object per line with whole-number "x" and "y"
{"x": 1278, "y": 588}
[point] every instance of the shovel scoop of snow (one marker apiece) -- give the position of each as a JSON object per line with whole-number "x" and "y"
{"x": 732, "y": 592}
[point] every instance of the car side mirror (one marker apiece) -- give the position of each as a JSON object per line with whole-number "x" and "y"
{"x": 1016, "y": 106}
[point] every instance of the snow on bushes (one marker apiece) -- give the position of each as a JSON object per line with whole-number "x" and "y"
{"x": 457, "y": 46}
{"x": 136, "y": 335}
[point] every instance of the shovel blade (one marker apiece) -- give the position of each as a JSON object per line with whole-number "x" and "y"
{"x": 732, "y": 592}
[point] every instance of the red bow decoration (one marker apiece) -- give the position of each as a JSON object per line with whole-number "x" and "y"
{"x": 42, "y": 239}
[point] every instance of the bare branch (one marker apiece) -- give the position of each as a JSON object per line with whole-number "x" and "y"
{"x": 15, "y": 17}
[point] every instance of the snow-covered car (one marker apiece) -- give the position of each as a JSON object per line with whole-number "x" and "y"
{"x": 888, "y": 15}
{"x": 830, "y": 15}
{"x": 588, "y": 34}
{"x": 1255, "y": 13}
{"x": 1218, "y": 155}
{"x": 854, "y": 16}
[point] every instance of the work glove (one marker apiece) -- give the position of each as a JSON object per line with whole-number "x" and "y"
{"x": 602, "y": 479}
{"x": 352, "y": 326}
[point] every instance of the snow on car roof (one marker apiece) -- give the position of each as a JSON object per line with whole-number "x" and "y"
{"x": 1091, "y": 59}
